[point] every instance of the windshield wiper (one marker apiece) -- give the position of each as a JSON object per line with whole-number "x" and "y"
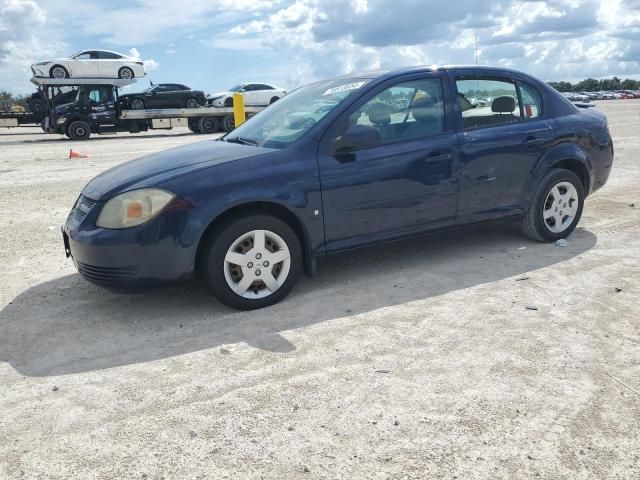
{"x": 242, "y": 141}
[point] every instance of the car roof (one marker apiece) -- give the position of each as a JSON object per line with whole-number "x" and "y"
{"x": 101, "y": 50}
{"x": 429, "y": 68}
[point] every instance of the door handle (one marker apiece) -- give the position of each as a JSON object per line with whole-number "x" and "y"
{"x": 533, "y": 142}
{"x": 437, "y": 157}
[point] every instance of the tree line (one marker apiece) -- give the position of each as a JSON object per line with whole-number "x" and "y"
{"x": 593, "y": 85}
{"x": 9, "y": 98}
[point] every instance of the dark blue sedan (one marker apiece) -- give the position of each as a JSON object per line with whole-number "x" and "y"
{"x": 339, "y": 164}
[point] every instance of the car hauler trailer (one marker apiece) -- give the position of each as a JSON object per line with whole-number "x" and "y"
{"x": 16, "y": 119}
{"x": 97, "y": 109}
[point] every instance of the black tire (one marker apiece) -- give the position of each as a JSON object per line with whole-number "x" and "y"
{"x": 228, "y": 102}
{"x": 126, "y": 73}
{"x": 79, "y": 130}
{"x": 219, "y": 242}
{"x": 191, "y": 103}
{"x": 36, "y": 106}
{"x": 274, "y": 100}
{"x": 137, "y": 104}
{"x": 533, "y": 224}
{"x": 229, "y": 123}
{"x": 194, "y": 125}
{"x": 54, "y": 72}
{"x": 209, "y": 124}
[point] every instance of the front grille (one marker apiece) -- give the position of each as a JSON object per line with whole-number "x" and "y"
{"x": 107, "y": 275}
{"x": 82, "y": 208}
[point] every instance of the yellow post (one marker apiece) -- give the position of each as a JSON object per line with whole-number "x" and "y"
{"x": 238, "y": 109}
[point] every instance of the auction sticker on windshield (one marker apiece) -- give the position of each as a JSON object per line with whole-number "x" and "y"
{"x": 344, "y": 88}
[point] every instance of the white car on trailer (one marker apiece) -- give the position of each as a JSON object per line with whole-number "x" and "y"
{"x": 255, "y": 94}
{"x": 91, "y": 64}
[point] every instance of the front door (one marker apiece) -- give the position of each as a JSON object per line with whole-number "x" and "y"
{"x": 388, "y": 167}
{"x": 503, "y": 135}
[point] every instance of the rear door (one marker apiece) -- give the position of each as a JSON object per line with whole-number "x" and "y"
{"x": 108, "y": 64}
{"x": 399, "y": 184}
{"x": 503, "y": 135}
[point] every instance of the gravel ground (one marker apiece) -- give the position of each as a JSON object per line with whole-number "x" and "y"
{"x": 420, "y": 360}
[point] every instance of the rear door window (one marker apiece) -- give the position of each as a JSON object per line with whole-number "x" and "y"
{"x": 486, "y": 102}
{"x": 531, "y": 102}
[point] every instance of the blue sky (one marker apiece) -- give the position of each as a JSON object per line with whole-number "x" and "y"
{"x": 212, "y": 45}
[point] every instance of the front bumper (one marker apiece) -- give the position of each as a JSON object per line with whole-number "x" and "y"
{"x": 40, "y": 71}
{"x": 122, "y": 260}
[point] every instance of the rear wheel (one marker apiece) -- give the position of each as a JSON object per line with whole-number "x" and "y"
{"x": 252, "y": 262}
{"x": 125, "y": 73}
{"x": 209, "y": 124}
{"x": 194, "y": 125}
{"x": 58, "y": 71}
{"x": 274, "y": 100}
{"x": 79, "y": 130}
{"x": 191, "y": 103}
{"x": 555, "y": 207}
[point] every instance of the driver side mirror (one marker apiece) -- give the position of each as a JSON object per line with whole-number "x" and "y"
{"x": 357, "y": 136}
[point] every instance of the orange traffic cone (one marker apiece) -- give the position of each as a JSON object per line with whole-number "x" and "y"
{"x": 74, "y": 154}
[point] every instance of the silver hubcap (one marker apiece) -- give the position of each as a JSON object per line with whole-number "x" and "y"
{"x": 560, "y": 207}
{"x": 137, "y": 105}
{"x": 126, "y": 73}
{"x": 59, "y": 73}
{"x": 191, "y": 103}
{"x": 257, "y": 264}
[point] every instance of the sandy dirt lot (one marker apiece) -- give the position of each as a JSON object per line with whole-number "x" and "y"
{"x": 418, "y": 360}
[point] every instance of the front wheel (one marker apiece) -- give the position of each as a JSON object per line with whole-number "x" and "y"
{"x": 555, "y": 207}
{"x": 79, "y": 130}
{"x": 252, "y": 262}
{"x": 137, "y": 104}
{"x": 58, "y": 71}
{"x": 191, "y": 103}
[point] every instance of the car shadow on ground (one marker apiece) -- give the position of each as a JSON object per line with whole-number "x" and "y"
{"x": 68, "y": 326}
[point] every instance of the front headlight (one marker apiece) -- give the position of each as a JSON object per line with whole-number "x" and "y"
{"x": 61, "y": 120}
{"x": 133, "y": 208}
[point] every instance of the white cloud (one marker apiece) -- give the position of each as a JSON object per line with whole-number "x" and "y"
{"x": 22, "y": 42}
{"x": 149, "y": 64}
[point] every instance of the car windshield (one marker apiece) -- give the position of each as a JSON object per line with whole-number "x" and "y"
{"x": 290, "y": 117}
{"x": 237, "y": 88}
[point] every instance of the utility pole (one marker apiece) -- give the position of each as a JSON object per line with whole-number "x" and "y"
{"x": 475, "y": 38}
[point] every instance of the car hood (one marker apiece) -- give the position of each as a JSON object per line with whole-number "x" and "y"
{"x": 64, "y": 107}
{"x": 152, "y": 170}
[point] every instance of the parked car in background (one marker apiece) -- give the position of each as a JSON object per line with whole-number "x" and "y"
{"x": 91, "y": 64}
{"x": 255, "y": 94}
{"x": 164, "y": 95}
{"x": 250, "y": 212}
{"x": 626, "y": 94}
{"x": 576, "y": 97}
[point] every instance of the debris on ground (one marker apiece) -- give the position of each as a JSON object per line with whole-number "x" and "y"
{"x": 618, "y": 290}
{"x": 561, "y": 242}
{"x": 531, "y": 307}
{"x": 520, "y": 279}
